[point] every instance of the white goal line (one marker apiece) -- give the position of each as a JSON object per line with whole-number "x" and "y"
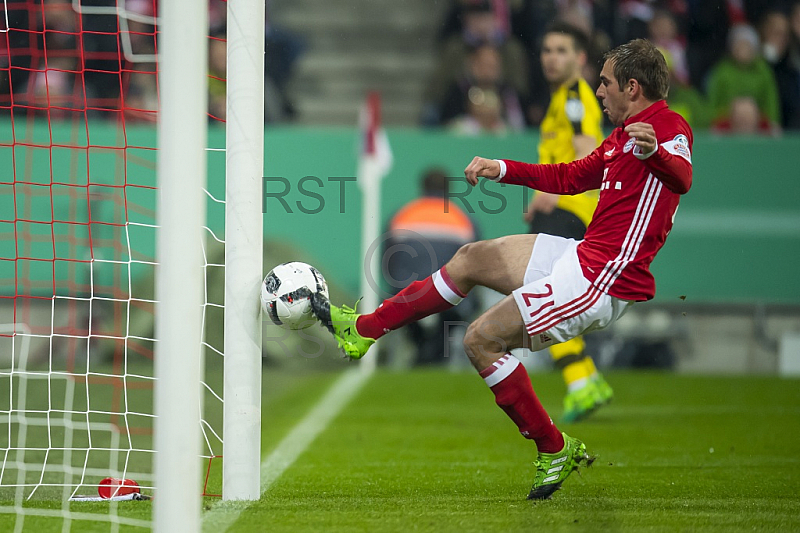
{"x": 74, "y": 516}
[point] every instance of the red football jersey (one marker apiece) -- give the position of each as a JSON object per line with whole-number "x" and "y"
{"x": 639, "y": 195}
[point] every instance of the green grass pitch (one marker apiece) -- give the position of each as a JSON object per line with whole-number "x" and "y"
{"x": 429, "y": 451}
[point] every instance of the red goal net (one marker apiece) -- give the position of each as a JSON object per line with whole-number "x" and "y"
{"x": 78, "y": 106}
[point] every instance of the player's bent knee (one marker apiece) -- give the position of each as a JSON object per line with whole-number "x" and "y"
{"x": 470, "y": 257}
{"x": 481, "y": 345}
{"x": 465, "y": 254}
{"x": 461, "y": 267}
{"x": 472, "y": 346}
{"x": 471, "y": 338}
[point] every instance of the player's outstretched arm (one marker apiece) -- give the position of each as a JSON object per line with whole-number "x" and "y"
{"x": 481, "y": 167}
{"x": 562, "y": 178}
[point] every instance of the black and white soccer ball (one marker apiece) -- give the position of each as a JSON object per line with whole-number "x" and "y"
{"x": 286, "y": 294}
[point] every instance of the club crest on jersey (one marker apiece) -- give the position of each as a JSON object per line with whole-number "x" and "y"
{"x": 628, "y": 145}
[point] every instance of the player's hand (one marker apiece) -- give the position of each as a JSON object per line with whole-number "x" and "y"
{"x": 542, "y": 202}
{"x": 643, "y": 135}
{"x": 481, "y": 168}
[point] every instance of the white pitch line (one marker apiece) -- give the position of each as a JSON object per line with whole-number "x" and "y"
{"x": 223, "y": 514}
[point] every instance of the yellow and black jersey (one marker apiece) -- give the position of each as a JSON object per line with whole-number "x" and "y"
{"x": 573, "y": 110}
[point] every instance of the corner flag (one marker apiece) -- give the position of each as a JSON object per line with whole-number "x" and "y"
{"x": 374, "y": 163}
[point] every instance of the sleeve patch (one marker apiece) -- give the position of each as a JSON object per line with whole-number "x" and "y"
{"x": 680, "y": 147}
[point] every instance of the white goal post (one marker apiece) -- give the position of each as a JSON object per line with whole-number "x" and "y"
{"x": 243, "y": 250}
{"x": 181, "y": 174}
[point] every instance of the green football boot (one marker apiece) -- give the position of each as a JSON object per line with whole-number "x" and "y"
{"x": 341, "y": 322}
{"x": 580, "y": 403}
{"x": 553, "y": 468}
{"x": 604, "y": 390}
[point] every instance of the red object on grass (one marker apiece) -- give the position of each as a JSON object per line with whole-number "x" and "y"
{"x": 112, "y": 486}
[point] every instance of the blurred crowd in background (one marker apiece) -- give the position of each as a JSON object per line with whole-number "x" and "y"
{"x": 735, "y": 63}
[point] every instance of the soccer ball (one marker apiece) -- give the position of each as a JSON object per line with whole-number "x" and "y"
{"x": 286, "y": 294}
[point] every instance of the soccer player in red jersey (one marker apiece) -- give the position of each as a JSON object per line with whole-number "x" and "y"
{"x": 558, "y": 288}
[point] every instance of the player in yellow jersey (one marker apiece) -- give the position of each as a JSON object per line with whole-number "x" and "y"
{"x": 570, "y": 130}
